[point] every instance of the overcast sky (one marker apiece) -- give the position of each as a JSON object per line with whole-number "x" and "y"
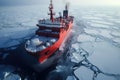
{"x": 72, "y": 2}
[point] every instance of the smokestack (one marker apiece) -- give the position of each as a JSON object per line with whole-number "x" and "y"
{"x": 65, "y": 12}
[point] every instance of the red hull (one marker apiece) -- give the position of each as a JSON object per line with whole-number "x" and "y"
{"x": 56, "y": 29}
{"x": 52, "y": 49}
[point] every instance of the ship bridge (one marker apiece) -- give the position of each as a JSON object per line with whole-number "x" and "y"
{"x": 49, "y": 28}
{"x": 49, "y": 23}
{"x": 52, "y": 27}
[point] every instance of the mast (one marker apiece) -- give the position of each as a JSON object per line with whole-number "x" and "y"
{"x": 65, "y": 12}
{"x": 66, "y": 6}
{"x": 51, "y": 11}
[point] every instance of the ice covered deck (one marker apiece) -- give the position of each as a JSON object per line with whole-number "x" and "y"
{"x": 39, "y": 43}
{"x": 49, "y": 23}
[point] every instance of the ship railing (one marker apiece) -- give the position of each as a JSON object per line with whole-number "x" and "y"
{"x": 39, "y": 47}
{"x": 48, "y": 31}
{"x": 57, "y": 29}
{"x": 47, "y": 34}
{"x": 49, "y": 22}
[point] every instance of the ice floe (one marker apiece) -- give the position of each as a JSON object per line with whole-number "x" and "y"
{"x": 105, "y": 33}
{"x": 116, "y": 33}
{"x": 102, "y": 22}
{"x": 92, "y": 31}
{"x": 6, "y": 73}
{"x": 75, "y": 57}
{"x": 117, "y": 21}
{"x": 70, "y": 78}
{"x": 85, "y": 38}
{"x": 90, "y": 17}
{"x": 99, "y": 25}
{"x": 84, "y": 73}
{"x": 104, "y": 77}
{"x": 106, "y": 57}
{"x": 117, "y": 40}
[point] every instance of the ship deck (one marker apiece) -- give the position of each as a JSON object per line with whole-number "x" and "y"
{"x": 44, "y": 38}
{"x": 49, "y": 23}
{"x": 39, "y": 43}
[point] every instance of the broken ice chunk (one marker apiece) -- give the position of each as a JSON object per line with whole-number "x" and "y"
{"x": 76, "y": 58}
{"x": 70, "y": 78}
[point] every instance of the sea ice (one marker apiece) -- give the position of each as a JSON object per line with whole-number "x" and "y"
{"x": 70, "y": 78}
{"x": 103, "y": 22}
{"x": 90, "y": 17}
{"x": 85, "y": 38}
{"x": 91, "y": 31}
{"x": 116, "y": 33}
{"x": 117, "y": 21}
{"x": 76, "y": 58}
{"x": 106, "y": 33}
{"x": 6, "y": 73}
{"x": 117, "y": 40}
{"x": 106, "y": 57}
{"x": 99, "y": 25}
{"x": 84, "y": 73}
{"x": 104, "y": 77}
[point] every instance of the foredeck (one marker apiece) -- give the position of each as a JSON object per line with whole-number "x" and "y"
{"x": 39, "y": 43}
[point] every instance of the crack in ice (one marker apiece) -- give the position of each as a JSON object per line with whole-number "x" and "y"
{"x": 67, "y": 68}
{"x": 86, "y": 63}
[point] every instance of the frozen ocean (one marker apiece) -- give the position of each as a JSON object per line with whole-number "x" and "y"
{"x": 94, "y": 52}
